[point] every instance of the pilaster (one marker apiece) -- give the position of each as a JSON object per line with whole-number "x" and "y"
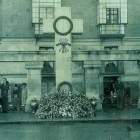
{"x": 33, "y": 81}
{"x": 92, "y": 83}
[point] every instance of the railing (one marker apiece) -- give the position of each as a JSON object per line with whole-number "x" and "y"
{"x": 112, "y": 31}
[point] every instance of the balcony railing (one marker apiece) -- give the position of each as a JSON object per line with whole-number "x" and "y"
{"x": 112, "y": 31}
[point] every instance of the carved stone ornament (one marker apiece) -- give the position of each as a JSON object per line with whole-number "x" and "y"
{"x": 63, "y": 43}
{"x": 66, "y": 18}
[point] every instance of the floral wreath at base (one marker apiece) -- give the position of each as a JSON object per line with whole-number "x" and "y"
{"x": 65, "y": 105}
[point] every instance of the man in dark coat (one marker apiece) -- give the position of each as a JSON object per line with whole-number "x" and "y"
{"x": 4, "y": 93}
{"x": 119, "y": 88}
{"x": 127, "y": 95}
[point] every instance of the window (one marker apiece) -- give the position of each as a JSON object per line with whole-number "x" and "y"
{"x": 46, "y": 48}
{"x": 111, "y": 12}
{"x": 112, "y": 15}
{"x": 43, "y": 9}
{"x": 49, "y": 67}
{"x": 111, "y": 48}
{"x": 47, "y": 12}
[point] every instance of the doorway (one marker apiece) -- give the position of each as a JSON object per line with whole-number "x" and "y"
{"x": 48, "y": 85}
{"x": 109, "y": 99}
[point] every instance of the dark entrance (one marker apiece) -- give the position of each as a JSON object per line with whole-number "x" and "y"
{"x": 48, "y": 85}
{"x": 109, "y": 96}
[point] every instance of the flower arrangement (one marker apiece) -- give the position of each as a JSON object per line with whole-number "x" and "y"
{"x": 64, "y": 105}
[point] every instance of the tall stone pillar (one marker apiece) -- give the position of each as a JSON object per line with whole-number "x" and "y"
{"x": 138, "y": 62}
{"x": 92, "y": 83}
{"x": 63, "y": 27}
{"x": 33, "y": 82}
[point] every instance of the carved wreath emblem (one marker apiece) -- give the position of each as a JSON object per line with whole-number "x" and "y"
{"x": 57, "y": 31}
{"x": 63, "y": 43}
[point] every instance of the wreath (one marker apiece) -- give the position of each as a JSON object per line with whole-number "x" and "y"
{"x": 60, "y": 33}
{"x": 65, "y": 87}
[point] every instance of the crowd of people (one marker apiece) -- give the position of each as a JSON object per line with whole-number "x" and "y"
{"x": 16, "y": 96}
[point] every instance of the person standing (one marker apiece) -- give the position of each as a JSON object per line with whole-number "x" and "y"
{"x": 119, "y": 88}
{"x": 19, "y": 95}
{"x": 24, "y": 94}
{"x": 4, "y": 93}
{"x": 127, "y": 92}
{"x": 16, "y": 99}
{"x": 9, "y": 93}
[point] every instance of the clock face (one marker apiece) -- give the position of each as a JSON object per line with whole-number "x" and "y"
{"x": 68, "y": 28}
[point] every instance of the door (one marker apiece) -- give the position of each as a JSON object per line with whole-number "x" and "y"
{"x": 108, "y": 88}
{"x": 48, "y": 84}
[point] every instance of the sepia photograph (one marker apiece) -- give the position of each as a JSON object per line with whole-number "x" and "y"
{"x": 70, "y": 69}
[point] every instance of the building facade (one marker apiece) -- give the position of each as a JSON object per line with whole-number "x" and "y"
{"x": 108, "y": 26}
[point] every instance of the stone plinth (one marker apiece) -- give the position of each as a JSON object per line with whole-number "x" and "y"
{"x": 33, "y": 82}
{"x": 92, "y": 83}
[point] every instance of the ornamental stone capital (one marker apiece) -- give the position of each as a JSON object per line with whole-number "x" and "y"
{"x": 92, "y": 64}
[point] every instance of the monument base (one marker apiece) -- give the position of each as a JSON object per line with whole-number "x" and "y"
{"x": 64, "y": 106}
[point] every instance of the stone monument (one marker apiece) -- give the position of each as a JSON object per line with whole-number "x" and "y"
{"x": 63, "y": 27}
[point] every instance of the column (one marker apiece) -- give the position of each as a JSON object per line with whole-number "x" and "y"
{"x": 33, "y": 82}
{"x": 92, "y": 82}
{"x": 138, "y": 62}
{"x": 62, "y": 42}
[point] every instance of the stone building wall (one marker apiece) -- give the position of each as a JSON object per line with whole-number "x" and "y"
{"x": 0, "y": 18}
{"x": 17, "y": 33}
{"x": 17, "y": 19}
{"x": 132, "y": 76}
{"x": 133, "y": 27}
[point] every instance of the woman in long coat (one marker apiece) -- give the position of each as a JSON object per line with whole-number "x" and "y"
{"x": 24, "y": 94}
{"x": 119, "y": 87}
{"x": 4, "y": 93}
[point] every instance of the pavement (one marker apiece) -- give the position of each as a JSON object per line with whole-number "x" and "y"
{"x": 102, "y": 116}
{"x": 69, "y": 131}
